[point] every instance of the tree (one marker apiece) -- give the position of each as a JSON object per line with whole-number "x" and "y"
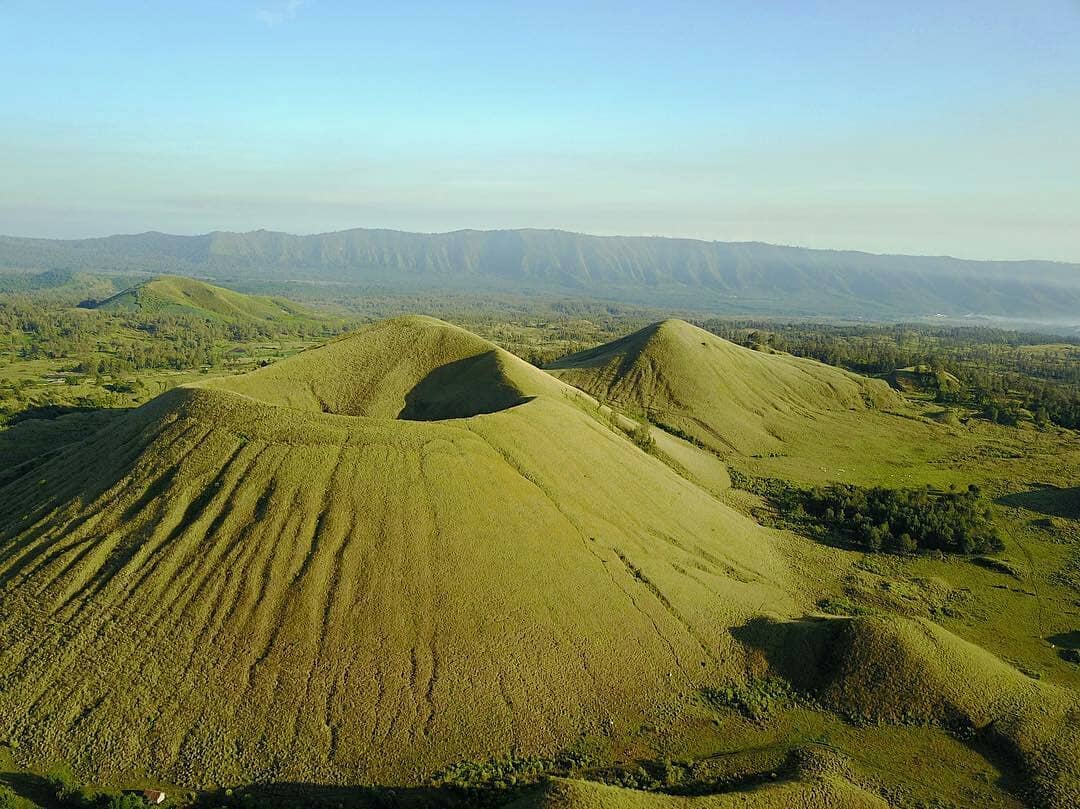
{"x": 642, "y": 436}
{"x": 907, "y": 543}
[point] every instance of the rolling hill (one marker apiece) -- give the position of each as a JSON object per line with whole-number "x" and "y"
{"x": 169, "y": 294}
{"x": 729, "y": 398}
{"x": 409, "y": 548}
{"x": 378, "y": 557}
{"x": 742, "y": 277}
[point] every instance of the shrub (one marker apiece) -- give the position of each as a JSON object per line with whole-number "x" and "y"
{"x": 642, "y": 436}
{"x": 127, "y": 801}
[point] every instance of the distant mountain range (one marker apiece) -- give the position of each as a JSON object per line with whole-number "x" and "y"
{"x": 724, "y": 277}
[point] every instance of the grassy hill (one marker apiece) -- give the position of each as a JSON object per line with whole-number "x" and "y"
{"x": 381, "y": 556}
{"x": 729, "y": 398}
{"x": 409, "y": 555}
{"x": 740, "y": 277}
{"x": 169, "y": 294}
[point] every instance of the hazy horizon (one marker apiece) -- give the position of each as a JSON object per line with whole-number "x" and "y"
{"x": 912, "y": 130}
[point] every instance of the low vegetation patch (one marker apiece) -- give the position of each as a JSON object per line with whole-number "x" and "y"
{"x": 999, "y": 566}
{"x": 756, "y": 700}
{"x": 70, "y": 792}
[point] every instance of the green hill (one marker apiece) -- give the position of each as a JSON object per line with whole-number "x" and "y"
{"x": 168, "y": 294}
{"x": 397, "y": 551}
{"x": 729, "y": 398}
{"x": 912, "y": 671}
{"x": 408, "y": 549}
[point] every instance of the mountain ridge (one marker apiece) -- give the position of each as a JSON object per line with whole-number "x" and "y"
{"x": 708, "y": 275}
{"x": 537, "y": 230}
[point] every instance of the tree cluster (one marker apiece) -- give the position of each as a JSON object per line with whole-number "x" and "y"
{"x": 906, "y": 520}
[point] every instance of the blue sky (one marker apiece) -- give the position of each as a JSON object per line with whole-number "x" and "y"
{"x": 944, "y": 127}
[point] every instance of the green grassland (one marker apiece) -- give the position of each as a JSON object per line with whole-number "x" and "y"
{"x": 408, "y": 568}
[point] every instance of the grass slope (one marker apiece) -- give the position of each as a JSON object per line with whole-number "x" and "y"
{"x": 730, "y": 398}
{"x": 170, "y": 294}
{"x": 913, "y": 671}
{"x": 298, "y": 574}
{"x": 813, "y": 793}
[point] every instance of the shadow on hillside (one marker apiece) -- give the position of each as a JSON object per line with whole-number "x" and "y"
{"x": 800, "y": 651}
{"x": 52, "y": 411}
{"x": 463, "y": 388}
{"x": 37, "y": 433}
{"x": 34, "y": 788}
{"x": 1069, "y": 640}
{"x": 1048, "y": 499}
{"x": 1067, "y": 645}
{"x": 292, "y": 795}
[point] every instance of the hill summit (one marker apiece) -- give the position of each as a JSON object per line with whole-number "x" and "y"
{"x": 730, "y": 398}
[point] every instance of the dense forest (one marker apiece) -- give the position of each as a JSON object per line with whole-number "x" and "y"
{"x": 57, "y": 358}
{"x": 906, "y": 520}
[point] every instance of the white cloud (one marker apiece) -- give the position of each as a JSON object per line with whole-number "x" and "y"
{"x": 278, "y": 12}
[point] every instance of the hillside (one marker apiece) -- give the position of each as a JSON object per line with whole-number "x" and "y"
{"x": 815, "y": 792}
{"x": 729, "y": 398}
{"x": 741, "y": 277}
{"x": 168, "y": 294}
{"x": 408, "y": 549}
{"x": 299, "y": 572}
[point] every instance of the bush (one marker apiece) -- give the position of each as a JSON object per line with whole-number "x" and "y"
{"x": 126, "y": 801}
{"x": 65, "y": 786}
{"x": 642, "y": 436}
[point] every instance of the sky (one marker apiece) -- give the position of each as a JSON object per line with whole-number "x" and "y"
{"x": 899, "y": 127}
